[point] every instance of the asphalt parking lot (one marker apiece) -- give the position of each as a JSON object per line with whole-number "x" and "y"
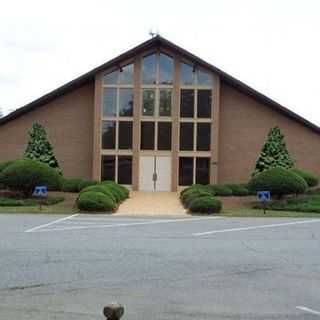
{"x": 69, "y": 267}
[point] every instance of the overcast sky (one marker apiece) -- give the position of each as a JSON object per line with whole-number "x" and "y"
{"x": 271, "y": 45}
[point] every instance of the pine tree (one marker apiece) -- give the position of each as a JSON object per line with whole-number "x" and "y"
{"x": 39, "y": 148}
{"x": 274, "y": 153}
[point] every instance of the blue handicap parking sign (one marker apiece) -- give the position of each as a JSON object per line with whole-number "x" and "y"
{"x": 263, "y": 196}
{"x": 40, "y": 191}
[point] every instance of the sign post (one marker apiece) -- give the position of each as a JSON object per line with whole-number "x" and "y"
{"x": 264, "y": 197}
{"x": 40, "y": 192}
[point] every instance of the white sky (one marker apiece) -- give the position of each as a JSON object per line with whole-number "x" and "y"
{"x": 271, "y": 45}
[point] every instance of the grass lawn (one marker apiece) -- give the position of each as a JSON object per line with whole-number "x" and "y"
{"x": 243, "y": 212}
{"x": 66, "y": 206}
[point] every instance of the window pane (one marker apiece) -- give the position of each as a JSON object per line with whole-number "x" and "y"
{"x": 111, "y": 78}
{"x": 186, "y": 136}
{"x": 202, "y": 170}
{"x": 186, "y": 74}
{"x": 109, "y": 108}
{"x": 125, "y": 102}
{"x": 164, "y": 135}
{"x": 165, "y": 103}
{"x": 187, "y": 103}
{"x": 204, "y": 78}
{"x": 166, "y": 69}
{"x": 185, "y": 171}
{"x": 125, "y": 135}
{"x": 149, "y": 69}
{"x": 148, "y": 99}
{"x": 126, "y": 76}
{"x": 125, "y": 170}
{"x": 108, "y": 134}
{"x": 108, "y": 168}
{"x": 204, "y": 104}
{"x": 203, "y": 136}
{"x": 147, "y": 135}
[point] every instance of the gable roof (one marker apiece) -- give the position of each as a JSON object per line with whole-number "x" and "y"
{"x": 151, "y": 43}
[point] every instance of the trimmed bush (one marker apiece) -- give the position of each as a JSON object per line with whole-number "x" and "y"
{"x": 206, "y": 204}
{"x": 238, "y": 190}
{"x": 95, "y": 201}
{"x": 219, "y": 190}
{"x": 71, "y": 185}
{"x": 86, "y": 183}
{"x": 188, "y": 197}
{"x": 278, "y": 181}
{"x": 3, "y": 165}
{"x": 309, "y": 178}
{"x": 117, "y": 189}
{"x": 101, "y": 188}
{"x": 24, "y": 175}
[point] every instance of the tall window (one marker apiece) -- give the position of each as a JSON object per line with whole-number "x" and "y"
{"x": 156, "y": 101}
{"x": 195, "y": 124}
{"x": 117, "y": 123}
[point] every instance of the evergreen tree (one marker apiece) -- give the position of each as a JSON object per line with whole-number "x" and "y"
{"x": 39, "y": 148}
{"x": 274, "y": 153}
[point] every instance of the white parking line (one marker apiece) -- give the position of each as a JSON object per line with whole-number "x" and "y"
{"x": 308, "y": 310}
{"x": 256, "y": 227}
{"x": 51, "y": 223}
{"x": 101, "y": 226}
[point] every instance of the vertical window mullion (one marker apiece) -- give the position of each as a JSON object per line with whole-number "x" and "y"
{"x": 156, "y": 136}
{"x": 194, "y": 170}
{"x": 116, "y": 169}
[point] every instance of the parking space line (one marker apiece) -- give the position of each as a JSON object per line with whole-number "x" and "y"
{"x": 101, "y": 226}
{"x": 51, "y": 223}
{"x": 256, "y": 227}
{"x": 302, "y": 308}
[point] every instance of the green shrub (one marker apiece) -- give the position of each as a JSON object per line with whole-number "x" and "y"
{"x": 101, "y": 188}
{"x": 118, "y": 190}
{"x": 24, "y": 175}
{"x": 309, "y": 178}
{"x": 71, "y": 185}
{"x": 5, "y": 164}
{"x": 192, "y": 188}
{"x": 95, "y": 201}
{"x": 278, "y": 181}
{"x": 188, "y": 197}
{"x": 206, "y": 204}
{"x": 219, "y": 190}
{"x": 238, "y": 189}
{"x": 86, "y": 183}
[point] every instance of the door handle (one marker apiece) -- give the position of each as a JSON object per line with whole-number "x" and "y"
{"x": 154, "y": 177}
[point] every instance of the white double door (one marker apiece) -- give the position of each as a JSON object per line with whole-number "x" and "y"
{"x": 155, "y": 173}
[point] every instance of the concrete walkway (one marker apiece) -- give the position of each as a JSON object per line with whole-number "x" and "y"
{"x": 152, "y": 204}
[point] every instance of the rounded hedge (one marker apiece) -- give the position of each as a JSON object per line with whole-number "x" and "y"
{"x": 5, "y": 164}
{"x": 188, "y": 197}
{"x": 71, "y": 185}
{"x": 24, "y": 175}
{"x": 278, "y": 181}
{"x": 119, "y": 191}
{"x": 309, "y": 178}
{"x": 100, "y": 188}
{"x": 86, "y": 183}
{"x": 219, "y": 190}
{"x": 206, "y": 204}
{"x": 238, "y": 190}
{"x": 95, "y": 201}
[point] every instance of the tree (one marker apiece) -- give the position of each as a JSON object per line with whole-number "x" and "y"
{"x": 39, "y": 148}
{"x": 274, "y": 153}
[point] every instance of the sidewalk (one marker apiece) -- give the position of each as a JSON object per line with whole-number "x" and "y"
{"x": 152, "y": 204}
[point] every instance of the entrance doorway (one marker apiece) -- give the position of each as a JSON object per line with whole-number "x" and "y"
{"x": 155, "y": 173}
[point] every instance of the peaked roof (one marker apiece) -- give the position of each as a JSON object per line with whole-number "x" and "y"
{"x": 157, "y": 42}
